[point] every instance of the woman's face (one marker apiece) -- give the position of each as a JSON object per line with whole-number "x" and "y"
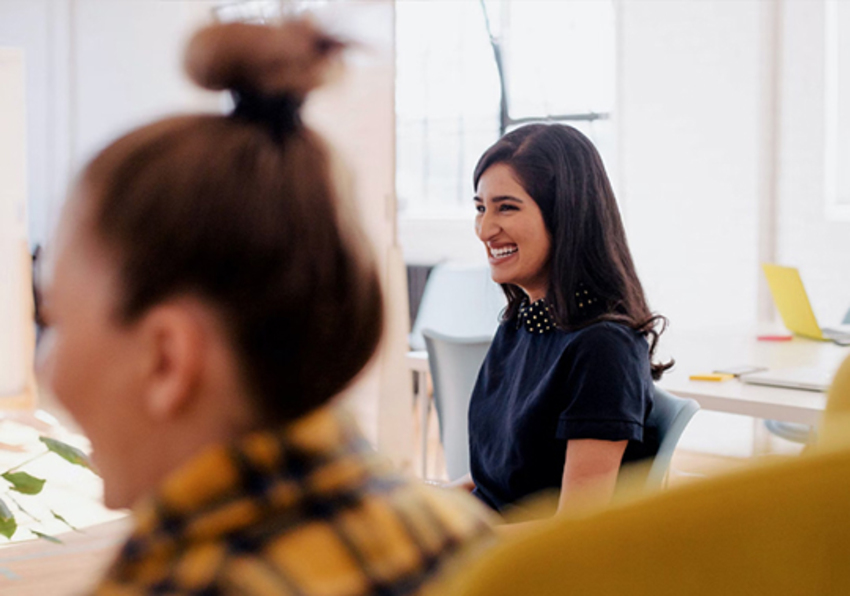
{"x": 510, "y": 225}
{"x": 90, "y": 361}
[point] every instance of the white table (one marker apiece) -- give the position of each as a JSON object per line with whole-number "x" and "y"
{"x": 704, "y": 351}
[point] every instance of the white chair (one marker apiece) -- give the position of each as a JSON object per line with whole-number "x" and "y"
{"x": 460, "y": 300}
{"x": 670, "y": 416}
{"x": 454, "y": 362}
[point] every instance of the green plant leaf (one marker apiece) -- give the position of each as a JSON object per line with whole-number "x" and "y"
{"x": 24, "y": 483}
{"x": 68, "y": 452}
{"x": 64, "y": 521}
{"x": 8, "y": 524}
{"x": 23, "y": 509}
{"x": 5, "y": 512}
{"x": 47, "y": 537}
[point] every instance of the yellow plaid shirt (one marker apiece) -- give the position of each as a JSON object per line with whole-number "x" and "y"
{"x": 306, "y": 510}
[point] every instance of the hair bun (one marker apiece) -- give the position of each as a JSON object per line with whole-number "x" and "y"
{"x": 291, "y": 58}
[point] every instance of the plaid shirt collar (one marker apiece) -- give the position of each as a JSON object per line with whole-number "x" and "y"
{"x": 229, "y": 488}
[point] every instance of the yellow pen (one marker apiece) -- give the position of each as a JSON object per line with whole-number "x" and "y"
{"x": 716, "y": 377}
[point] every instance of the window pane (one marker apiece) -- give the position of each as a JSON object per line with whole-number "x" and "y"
{"x": 447, "y": 102}
{"x": 560, "y": 57}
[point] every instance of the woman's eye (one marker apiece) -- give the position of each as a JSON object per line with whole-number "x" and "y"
{"x": 507, "y": 207}
{"x": 479, "y": 208}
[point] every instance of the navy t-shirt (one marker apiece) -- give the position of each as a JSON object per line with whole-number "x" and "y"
{"x": 540, "y": 387}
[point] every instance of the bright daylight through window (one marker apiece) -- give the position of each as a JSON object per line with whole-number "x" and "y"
{"x": 558, "y": 63}
{"x": 837, "y": 124}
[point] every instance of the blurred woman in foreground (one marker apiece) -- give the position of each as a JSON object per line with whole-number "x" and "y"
{"x": 206, "y": 305}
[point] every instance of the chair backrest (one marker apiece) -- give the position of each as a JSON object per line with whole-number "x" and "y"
{"x": 459, "y": 300}
{"x": 670, "y": 415}
{"x": 454, "y": 362}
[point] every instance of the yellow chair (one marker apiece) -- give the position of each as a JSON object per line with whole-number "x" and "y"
{"x": 779, "y": 528}
{"x": 834, "y": 428}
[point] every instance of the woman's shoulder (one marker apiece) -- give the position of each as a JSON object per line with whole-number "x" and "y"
{"x": 608, "y": 336}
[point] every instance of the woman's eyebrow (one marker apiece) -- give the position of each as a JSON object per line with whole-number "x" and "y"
{"x": 499, "y": 199}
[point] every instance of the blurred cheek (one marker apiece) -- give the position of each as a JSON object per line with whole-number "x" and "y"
{"x": 44, "y": 359}
{"x": 56, "y": 366}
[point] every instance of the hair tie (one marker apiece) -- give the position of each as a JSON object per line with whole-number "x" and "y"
{"x": 280, "y": 114}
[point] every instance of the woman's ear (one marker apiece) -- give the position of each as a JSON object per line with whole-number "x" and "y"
{"x": 175, "y": 335}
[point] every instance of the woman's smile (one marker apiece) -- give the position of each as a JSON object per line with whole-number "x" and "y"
{"x": 501, "y": 254}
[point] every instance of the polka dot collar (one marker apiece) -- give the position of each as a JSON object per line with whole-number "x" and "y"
{"x": 536, "y": 317}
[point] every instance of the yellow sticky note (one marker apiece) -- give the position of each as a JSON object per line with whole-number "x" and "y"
{"x": 716, "y": 377}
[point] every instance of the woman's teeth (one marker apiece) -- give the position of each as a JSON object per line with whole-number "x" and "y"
{"x": 500, "y": 253}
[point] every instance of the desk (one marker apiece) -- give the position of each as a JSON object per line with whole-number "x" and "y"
{"x": 38, "y": 567}
{"x": 705, "y": 351}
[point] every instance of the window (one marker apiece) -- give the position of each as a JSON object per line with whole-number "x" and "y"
{"x": 558, "y": 63}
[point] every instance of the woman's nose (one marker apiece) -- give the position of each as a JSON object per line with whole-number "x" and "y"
{"x": 486, "y": 227}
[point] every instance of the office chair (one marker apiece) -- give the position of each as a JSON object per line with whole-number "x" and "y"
{"x": 454, "y": 362}
{"x": 670, "y": 416}
{"x": 461, "y": 300}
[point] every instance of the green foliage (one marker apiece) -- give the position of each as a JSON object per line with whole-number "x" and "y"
{"x": 47, "y": 537}
{"x": 24, "y": 483}
{"x": 64, "y": 521}
{"x": 5, "y": 512}
{"x": 8, "y": 525}
{"x": 68, "y": 452}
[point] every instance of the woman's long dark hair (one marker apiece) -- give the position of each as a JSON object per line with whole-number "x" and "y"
{"x": 562, "y": 171}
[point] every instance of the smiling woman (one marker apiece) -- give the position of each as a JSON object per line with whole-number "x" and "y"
{"x": 565, "y": 392}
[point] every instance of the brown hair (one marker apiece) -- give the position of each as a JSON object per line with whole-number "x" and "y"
{"x": 227, "y": 209}
{"x": 562, "y": 171}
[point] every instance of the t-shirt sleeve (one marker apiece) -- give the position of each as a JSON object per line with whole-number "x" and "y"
{"x": 607, "y": 385}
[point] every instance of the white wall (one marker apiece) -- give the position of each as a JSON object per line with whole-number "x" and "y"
{"x": 30, "y": 26}
{"x": 689, "y": 155}
{"x": 357, "y": 116}
{"x": 94, "y": 69}
{"x": 13, "y": 360}
{"x": 427, "y": 241}
{"x": 806, "y": 237}
{"x": 127, "y": 67}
